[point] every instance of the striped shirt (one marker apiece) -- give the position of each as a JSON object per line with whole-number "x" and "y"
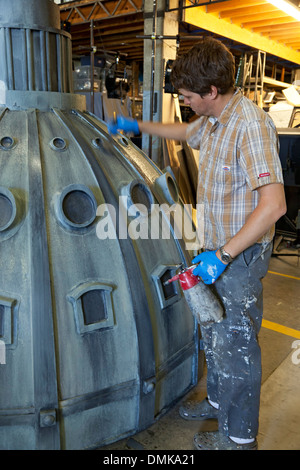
{"x": 238, "y": 154}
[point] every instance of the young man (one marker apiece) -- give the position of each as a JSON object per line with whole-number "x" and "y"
{"x": 240, "y": 196}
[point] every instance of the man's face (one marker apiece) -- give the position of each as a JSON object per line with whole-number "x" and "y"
{"x": 200, "y": 106}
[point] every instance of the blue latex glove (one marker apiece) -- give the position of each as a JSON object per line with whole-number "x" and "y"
{"x": 209, "y": 267}
{"x": 124, "y": 124}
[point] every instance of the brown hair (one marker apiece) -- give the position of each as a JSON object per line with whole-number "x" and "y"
{"x": 208, "y": 63}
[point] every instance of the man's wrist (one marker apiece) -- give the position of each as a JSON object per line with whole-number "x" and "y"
{"x": 224, "y": 255}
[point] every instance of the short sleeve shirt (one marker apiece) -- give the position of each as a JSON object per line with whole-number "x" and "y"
{"x": 238, "y": 153}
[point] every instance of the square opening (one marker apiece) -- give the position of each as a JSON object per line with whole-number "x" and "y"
{"x": 94, "y": 307}
{"x": 168, "y": 290}
{"x": 170, "y": 293}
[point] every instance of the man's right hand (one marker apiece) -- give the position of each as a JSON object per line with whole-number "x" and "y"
{"x": 124, "y": 124}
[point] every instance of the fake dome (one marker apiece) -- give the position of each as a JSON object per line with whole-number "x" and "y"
{"x": 96, "y": 347}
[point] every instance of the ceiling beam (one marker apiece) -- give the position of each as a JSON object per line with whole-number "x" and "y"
{"x": 283, "y": 34}
{"x": 258, "y": 10}
{"x": 245, "y": 19}
{"x": 224, "y": 28}
{"x": 270, "y": 22}
{"x": 231, "y": 4}
{"x": 278, "y": 27}
{"x": 85, "y": 11}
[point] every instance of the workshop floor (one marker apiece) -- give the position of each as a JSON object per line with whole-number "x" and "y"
{"x": 280, "y": 395}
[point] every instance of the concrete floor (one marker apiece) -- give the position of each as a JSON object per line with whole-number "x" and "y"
{"x": 280, "y": 396}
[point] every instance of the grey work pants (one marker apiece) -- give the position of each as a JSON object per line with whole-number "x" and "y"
{"x": 231, "y": 347}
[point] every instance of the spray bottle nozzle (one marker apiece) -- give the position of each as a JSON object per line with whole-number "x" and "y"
{"x": 182, "y": 270}
{"x": 174, "y": 278}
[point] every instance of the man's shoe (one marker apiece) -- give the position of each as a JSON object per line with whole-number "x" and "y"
{"x": 214, "y": 440}
{"x": 198, "y": 410}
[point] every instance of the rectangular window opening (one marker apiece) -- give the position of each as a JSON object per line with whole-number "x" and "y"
{"x": 94, "y": 306}
{"x": 169, "y": 290}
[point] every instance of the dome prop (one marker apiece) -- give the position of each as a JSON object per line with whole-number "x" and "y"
{"x": 97, "y": 347}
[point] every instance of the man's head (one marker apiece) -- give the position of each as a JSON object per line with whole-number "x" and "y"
{"x": 208, "y": 63}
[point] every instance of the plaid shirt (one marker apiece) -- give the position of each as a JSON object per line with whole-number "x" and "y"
{"x": 238, "y": 154}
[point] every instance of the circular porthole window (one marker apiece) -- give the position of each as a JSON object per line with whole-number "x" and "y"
{"x": 138, "y": 196}
{"x": 124, "y": 141}
{"x": 8, "y": 209}
{"x": 7, "y": 143}
{"x": 97, "y": 142}
{"x": 58, "y": 144}
{"x": 77, "y": 207}
{"x": 167, "y": 188}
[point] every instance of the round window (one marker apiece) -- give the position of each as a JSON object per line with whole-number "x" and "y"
{"x": 7, "y": 209}
{"x": 77, "y": 206}
{"x": 140, "y": 194}
{"x": 6, "y": 143}
{"x": 58, "y": 143}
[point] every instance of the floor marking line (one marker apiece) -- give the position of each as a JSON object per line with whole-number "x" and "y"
{"x": 284, "y": 275}
{"x": 281, "y": 329}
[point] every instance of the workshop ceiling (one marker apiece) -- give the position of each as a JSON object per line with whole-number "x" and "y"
{"x": 117, "y": 25}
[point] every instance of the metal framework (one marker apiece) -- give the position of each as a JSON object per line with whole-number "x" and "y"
{"x": 85, "y": 11}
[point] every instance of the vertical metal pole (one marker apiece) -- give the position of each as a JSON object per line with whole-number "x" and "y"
{"x": 92, "y": 66}
{"x": 180, "y": 6}
{"x": 152, "y": 71}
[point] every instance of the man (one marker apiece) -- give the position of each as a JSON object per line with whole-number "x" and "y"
{"x": 240, "y": 196}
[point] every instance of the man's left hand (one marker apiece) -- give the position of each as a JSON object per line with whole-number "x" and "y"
{"x": 210, "y": 267}
{"x": 123, "y": 123}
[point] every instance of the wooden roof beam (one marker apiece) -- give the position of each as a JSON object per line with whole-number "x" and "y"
{"x": 277, "y": 27}
{"x": 295, "y": 45}
{"x": 99, "y": 33}
{"x": 284, "y": 34}
{"x": 111, "y": 22}
{"x": 260, "y": 9}
{"x": 248, "y": 19}
{"x": 291, "y": 41}
{"x": 270, "y": 22}
{"x": 231, "y": 4}
{"x": 242, "y": 35}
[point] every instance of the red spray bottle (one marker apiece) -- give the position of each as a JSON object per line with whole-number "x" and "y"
{"x": 202, "y": 302}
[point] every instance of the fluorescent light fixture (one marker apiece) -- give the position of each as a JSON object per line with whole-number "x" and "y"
{"x": 288, "y": 8}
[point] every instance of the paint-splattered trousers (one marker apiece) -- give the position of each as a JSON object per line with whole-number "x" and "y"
{"x": 231, "y": 347}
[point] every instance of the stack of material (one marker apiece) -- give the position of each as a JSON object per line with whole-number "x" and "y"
{"x": 184, "y": 164}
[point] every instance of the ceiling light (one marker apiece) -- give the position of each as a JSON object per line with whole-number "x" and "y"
{"x": 287, "y": 7}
